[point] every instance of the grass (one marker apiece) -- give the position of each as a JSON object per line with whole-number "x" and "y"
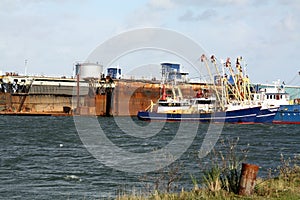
{"x": 273, "y": 189}
{"x": 221, "y": 180}
{"x": 286, "y": 185}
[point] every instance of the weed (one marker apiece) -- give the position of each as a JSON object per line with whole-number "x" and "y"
{"x": 224, "y": 172}
{"x": 163, "y": 180}
{"x": 286, "y": 183}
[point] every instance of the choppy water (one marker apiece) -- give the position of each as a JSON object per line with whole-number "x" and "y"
{"x": 44, "y": 158}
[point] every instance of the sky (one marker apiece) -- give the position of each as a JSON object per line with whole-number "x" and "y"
{"x": 47, "y": 37}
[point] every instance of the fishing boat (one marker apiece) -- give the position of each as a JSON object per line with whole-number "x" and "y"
{"x": 172, "y": 103}
{"x": 288, "y": 114}
{"x": 270, "y": 99}
{"x": 239, "y": 91}
{"x": 276, "y": 97}
{"x": 199, "y": 109}
{"x": 215, "y": 108}
{"x": 245, "y": 115}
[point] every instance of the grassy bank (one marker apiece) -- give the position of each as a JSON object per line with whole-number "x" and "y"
{"x": 221, "y": 180}
{"x": 285, "y": 186}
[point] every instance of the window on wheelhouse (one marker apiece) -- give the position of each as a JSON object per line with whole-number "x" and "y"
{"x": 205, "y": 102}
{"x": 167, "y": 104}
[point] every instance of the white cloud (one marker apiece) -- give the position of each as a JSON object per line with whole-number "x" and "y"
{"x": 211, "y": 3}
{"x": 54, "y": 33}
{"x": 50, "y": 36}
{"x": 189, "y": 15}
{"x": 153, "y": 13}
{"x": 288, "y": 23}
{"x": 161, "y": 4}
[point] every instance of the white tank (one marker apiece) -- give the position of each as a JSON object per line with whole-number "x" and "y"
{"x": 89, "y": 70}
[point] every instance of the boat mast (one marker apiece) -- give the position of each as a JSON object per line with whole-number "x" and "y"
{"x": 204, "y": 59}
{"x": 237, "y": 92}
{"x": 246, "y": 83}
{"x": 224, "y": 85}
{"x": 223, "y": 94}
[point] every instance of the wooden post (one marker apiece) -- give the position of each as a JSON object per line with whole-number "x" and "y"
{"x": 248, "y": 178}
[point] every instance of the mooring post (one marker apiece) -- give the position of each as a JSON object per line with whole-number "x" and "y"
{"x": 248, "y": 178}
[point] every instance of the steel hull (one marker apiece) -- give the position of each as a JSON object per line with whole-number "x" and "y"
{"x": 247, "y": 115}
{"x": 288, "y": 114}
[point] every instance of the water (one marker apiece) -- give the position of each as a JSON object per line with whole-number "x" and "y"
{"x": 44, "y": 158}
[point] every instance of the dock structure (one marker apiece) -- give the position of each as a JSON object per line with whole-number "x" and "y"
{"x": 30, "y": 95}
{"x": 24, "y": 95}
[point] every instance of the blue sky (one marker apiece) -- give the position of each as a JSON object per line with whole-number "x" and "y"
{"x": 54, "y": 34}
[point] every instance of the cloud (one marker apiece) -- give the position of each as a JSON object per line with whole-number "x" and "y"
{"x": 288, "y": 23}
{"x": 161, "y": 4}
{"x": 16, "y": 6}
{"x": 211, "y": 3}
{"x": 188, "y": 16}
{"x": 51, "y": 35}
{"x": 55, "y": 33}
{"x": 153, "y": 13}
{"x": 143, "y": 17}
{"x": 205, "y": 15}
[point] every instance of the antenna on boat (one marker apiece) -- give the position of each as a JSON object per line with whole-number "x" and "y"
{"x": 25, "y": 66}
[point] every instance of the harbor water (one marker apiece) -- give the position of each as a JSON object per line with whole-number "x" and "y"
{"x": 44, "y": 158}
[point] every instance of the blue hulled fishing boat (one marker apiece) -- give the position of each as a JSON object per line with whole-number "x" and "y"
{"x": 228, "y": 103}
{"x": 246, "y": 115}
{"x": 288, "y": 114}
{"x": 276, "y": 97}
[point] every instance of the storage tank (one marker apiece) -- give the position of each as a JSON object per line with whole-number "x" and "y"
{"x": 88, "y": 70}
